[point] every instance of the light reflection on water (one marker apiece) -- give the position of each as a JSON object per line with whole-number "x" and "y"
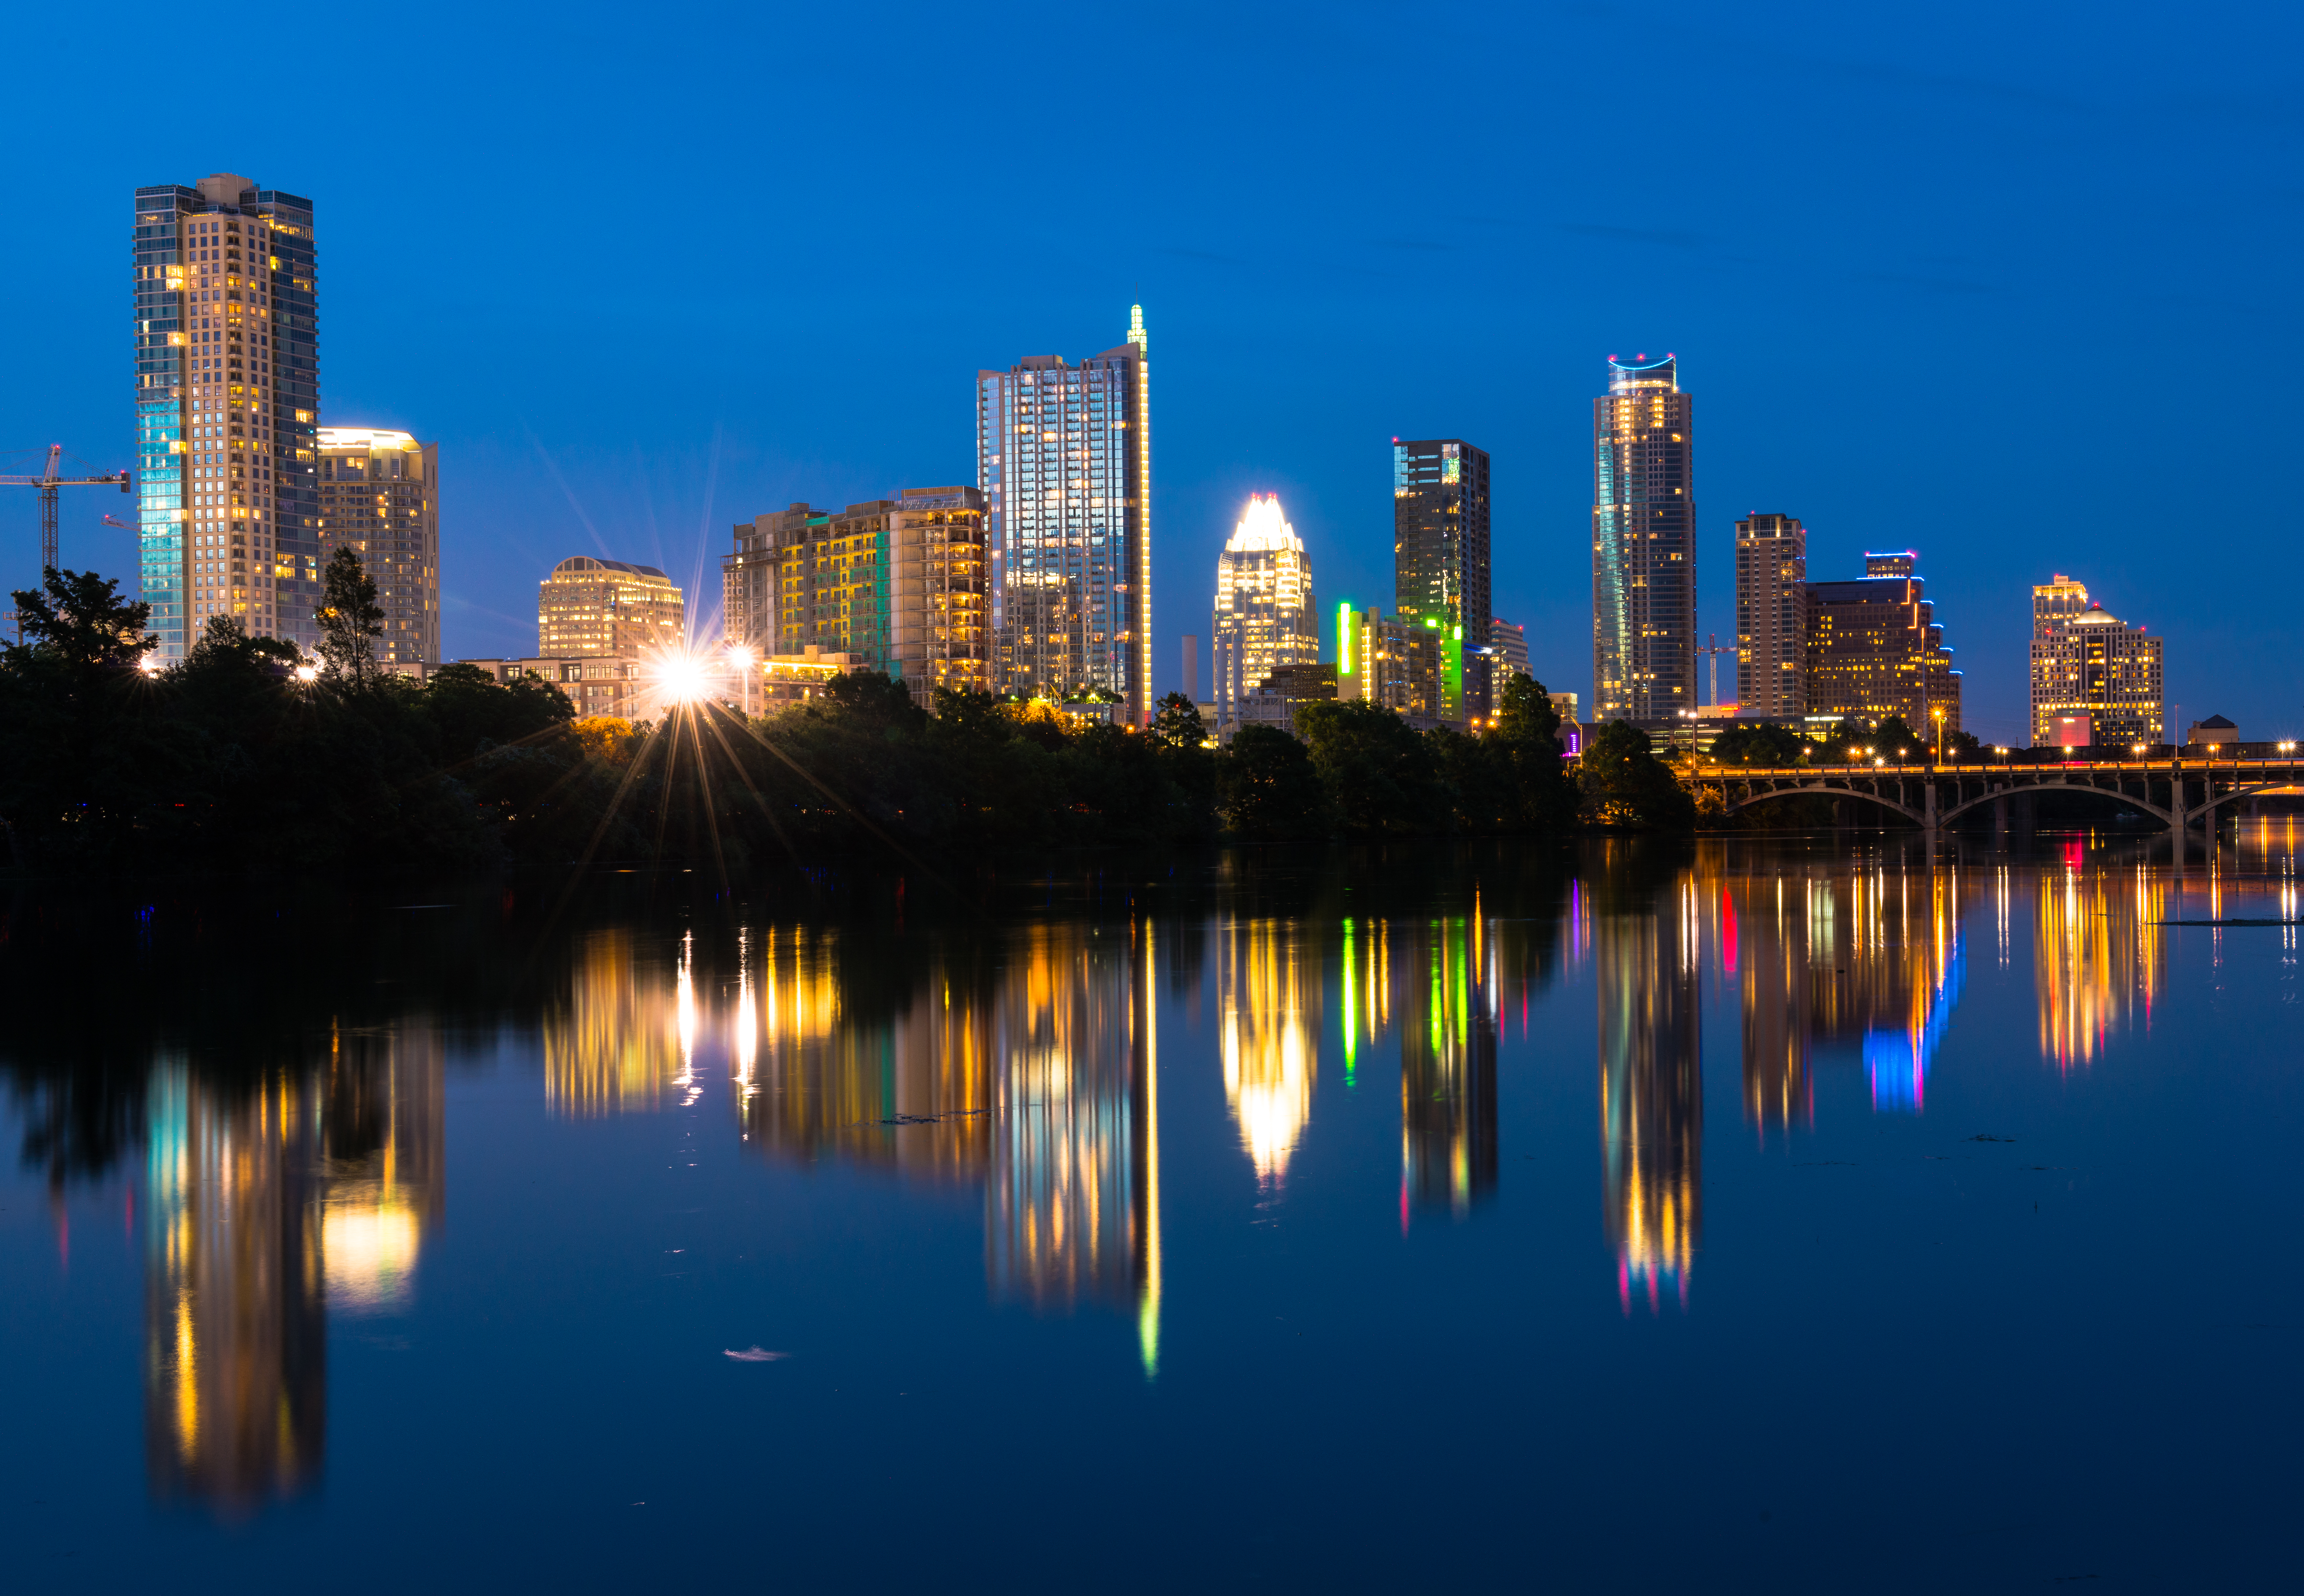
{"x": 1024, "y": 1067}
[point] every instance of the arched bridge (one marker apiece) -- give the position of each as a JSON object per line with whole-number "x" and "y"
{"x": 2177, "y": 791}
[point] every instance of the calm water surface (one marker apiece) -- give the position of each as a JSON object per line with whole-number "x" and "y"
{"x": 1755, "y": 1216}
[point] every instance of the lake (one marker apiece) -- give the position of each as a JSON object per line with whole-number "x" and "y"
{"x": 1827, "y": 1214}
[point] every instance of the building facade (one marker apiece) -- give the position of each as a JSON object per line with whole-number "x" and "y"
{"x": 1771, "y": 615}
{"x": 379, "y": 496}
{"x": 1440, "y": 535}
{"x": 1510, "y": 643}
{"x": 1643, "y": 544}
{"x": 901, "y": 585}
{"x": 1064, "y": 461}
{"x": 227, "y": 402}
{"x": 1265, "y": 616}
{"x": 1400, "y": 662}
{"x": 590, "y": 608}
{"x": 2086, "y": 662}
{"x": 1874, "y": 649}
{"x": 1274, "y": 701}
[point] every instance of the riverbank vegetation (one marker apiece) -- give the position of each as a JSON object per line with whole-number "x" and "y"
{"x": 244, "y": 757}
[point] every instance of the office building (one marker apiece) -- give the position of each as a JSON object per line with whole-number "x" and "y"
{"x": 379, "y": 496}
{"x": 1265, "y": 614}
{"x": 1064, "y": 461}
{"x": 227, "y": 399}
{"x": 899, "y": 584}
{"x": 1874, "y": 649}
{"x": 1508, "y": 643}
{"x": 1398, "y": 661}
{"x": 591, "y": 608}
{"x": 2088, "y": 663}
{"x": 1643, "y": 544}
{"x": 1771, "y": 615}
{"x": 1440, "y": 543}
{"x": 1274, "y": 701}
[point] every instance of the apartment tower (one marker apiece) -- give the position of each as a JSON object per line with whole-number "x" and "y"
{"x": 1772, "y": 616}
{"x": 379, "y": 497}
{"x": 1440, "y": 542}
{"x": 1064, "y": 459}
{"x": 2086, "y": 660}
{"x": 1643, "y": 544}
{"x": 590, "y": 608}
{"x": 227, "y": 402}
{"x": 1874, "y": 649}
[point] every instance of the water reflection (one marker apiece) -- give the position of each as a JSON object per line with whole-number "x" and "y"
{"x": 1645, "y": 958}
{"x": 268, "y": 1202}
{"x": 1447, "y": 1066}
{"x": 615, "y": 1047}
{"x": 2097, "y": 959}
{"x": 1268, "y": 1032}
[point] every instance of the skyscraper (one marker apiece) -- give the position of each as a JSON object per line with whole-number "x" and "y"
{"x": 1771, "y": 615}
{"x": 589, "y": 608}
{"x": 2088, "y": 661}
{"x": 227, "y": 402}
{"x": 1065, "y": 459}
{"x": 1643, "y": 544}
{"x": 1874, "y": 649}
{"x": 379, "y": 496}
{"x": 1265, "y": 616}
{"x": 1440, "y": 535}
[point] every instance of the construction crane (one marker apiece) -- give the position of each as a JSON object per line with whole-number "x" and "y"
{"x": 47, "y": 484}
{"x": 1715, "y": 649}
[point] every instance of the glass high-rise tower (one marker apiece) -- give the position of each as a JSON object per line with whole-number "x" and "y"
{"x": 1266, "y": 615}
{"x": 1063, "y": 457}
{"x": 227, "y": 409}
{"x": 1440, "y": 554}
{"x": 1643, "y": 544}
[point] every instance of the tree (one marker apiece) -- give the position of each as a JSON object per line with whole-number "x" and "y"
{"x": 349, "y": 618}
{"x": 78, "y": 620}
{"x": 1759, "y": 745}
{"x": 1380, "y": 774}
{"x": 1268, "y": 786}
{"x": 1624, "y": 782}
{"x": 1178, "y": 725}
{"x": 1894, "y": 739}
{"x": 1542, "y": 789}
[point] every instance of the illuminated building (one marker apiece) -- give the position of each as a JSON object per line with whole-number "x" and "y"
{"x": 899, "y": 584}
{"x": 1643, "y": 544}
{"x": 1651, "y": 1089}
{"x": 1405, "y": 664}
{"x": 1874, "y": 649}
{"x": 1065, "y": 459}
{"x": 1510, "y": 643}
{"x": 1440, "y": 545}
{"x": 1447, "y": 1065}
{"x": 1771, "y": 616}
{"x": 1275, "y": 700}
{"x": 380, "y": 497}
{"x": 590, "y": 608}
{"x": 2088, "y": 663}
{"x": 1266, "y": 615}
{"x": 1265, "y": 1000}
{"x": 227, "y": 399}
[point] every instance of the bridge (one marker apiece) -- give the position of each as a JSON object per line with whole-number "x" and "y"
{"x": 2177, "y": 791}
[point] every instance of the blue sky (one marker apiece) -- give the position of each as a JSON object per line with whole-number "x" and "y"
{"x": 2009, "y": 285}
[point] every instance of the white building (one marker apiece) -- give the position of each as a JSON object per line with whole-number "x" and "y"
{"x": 1266, "y": 615}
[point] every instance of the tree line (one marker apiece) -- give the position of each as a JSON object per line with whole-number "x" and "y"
{"x": 243, "y": 756}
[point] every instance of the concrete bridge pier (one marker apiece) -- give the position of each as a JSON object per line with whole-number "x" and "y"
{"x": 2000, "y": 818}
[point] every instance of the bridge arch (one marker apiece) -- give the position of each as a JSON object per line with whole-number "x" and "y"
{"x": 2241, "y": 792}
{"x": 1820, "y": 790}
{"x": 2165, "y": 816}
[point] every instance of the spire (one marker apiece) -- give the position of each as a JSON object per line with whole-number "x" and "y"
{"x": 1136, "y": 328}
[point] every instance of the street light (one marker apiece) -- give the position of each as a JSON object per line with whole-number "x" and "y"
{"x": 1939, "y": 714}
{"x": 740, "y": 657}
{"x": 307, "y": 672}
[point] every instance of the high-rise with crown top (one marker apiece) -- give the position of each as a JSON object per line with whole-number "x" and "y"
{"x": 1643, "y": 544}
{"x": 1063, "y": 457}
{"x": 227, "y": 409}
{"x": 1266, "y": 615}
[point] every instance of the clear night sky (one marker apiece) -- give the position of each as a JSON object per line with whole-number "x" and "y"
{"x": 2011, "y": 285}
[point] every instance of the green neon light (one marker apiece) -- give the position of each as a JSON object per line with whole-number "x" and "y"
{"x": 1352, "y": 1004}
{"x": 1344, "y": 639}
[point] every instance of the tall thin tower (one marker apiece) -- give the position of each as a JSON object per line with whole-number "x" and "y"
{"x": 1771, "y": 615}
{"x": 1643, "y": 544}
{"x": 1064, "y": 458}
{"x": 227, "y": 409}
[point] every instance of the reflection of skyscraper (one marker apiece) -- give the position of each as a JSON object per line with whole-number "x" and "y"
{"x": 906, "y": 1087}
{"x": 1068, "y": 1217}
{"x": 2097, "y": 952}
{"x": 1651, "y": 1091}
{"x": 384, "y": 1151}
{"x": 1447, "y": 1066}
{"x": 235, "y": 1362}
{"x": 615, "y": 1047}
{"x": 1764, "y": 944}
{"x": 1265, "y": 1004}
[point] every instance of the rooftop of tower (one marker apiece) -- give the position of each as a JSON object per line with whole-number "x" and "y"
{"x": 1640, "y": 372}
